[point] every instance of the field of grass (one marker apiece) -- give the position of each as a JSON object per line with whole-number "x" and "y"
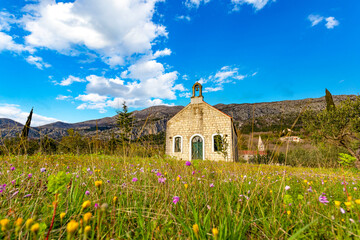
{"x": 107, "y": 197}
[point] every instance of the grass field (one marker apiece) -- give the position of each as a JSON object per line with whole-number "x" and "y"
{"x": 107, "y": 197}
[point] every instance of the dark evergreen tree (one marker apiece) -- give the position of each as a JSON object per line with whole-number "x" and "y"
{"x": 329, "y": 100}
{"x": 125, "y": 122}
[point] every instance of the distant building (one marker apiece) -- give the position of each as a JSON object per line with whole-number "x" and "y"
{"x": 200, "y": 131}
{"x": 291, "y": 139}
{"x": 249, "y": 154}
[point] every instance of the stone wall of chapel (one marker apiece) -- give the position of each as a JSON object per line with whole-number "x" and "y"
{"x": 199, "y": 119}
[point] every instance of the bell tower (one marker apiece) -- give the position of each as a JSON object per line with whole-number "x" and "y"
{"x": 197, "y": 96}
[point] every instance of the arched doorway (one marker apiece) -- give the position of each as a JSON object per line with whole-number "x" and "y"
{"x": 197, "y": 148}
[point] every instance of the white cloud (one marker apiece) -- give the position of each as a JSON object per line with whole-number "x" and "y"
{"x": 331, "y": 22}
{"x": 14, "y": 112}
{"x": 6, "y": 19}
{"x": 213, "y": 89}
{"x": 70, "y": 80}
{"x": 7, "y": 43}
{"x": 38, "y": 62}
{"x": 92, "y": 97}
{"x": 257, "y": 4}
{"x": 195, "y": 3}
{"x": 161, "y": 53}
{"x": 114, "y": 29}
{"x": 183, "y": 17}
{"x": 62, "y": 97}
{"x": 315, "y": 19}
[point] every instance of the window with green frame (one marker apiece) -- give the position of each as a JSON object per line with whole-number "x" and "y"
{"x": 218, "y": 143}
{"x": 177, "y": 147}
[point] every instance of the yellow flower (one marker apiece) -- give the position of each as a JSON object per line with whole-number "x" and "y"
{"x": 196, "y": 229}
{"x": 271, "y": 191}
{"x": 288, "y": 212}
{"x": 72, "y": 226}
{"x": 18, "y": 222}
{"x": 348, "y": 204}
{"x": 87, "y": 229}
{"x": 349, "y": 198}
{"x": 337, "y": 203}
{"x": 87, "y": 217}
{"x": 215, "y": 232}
{"x": 86, "y": 204}
{"x": 177, "y": 178}
{"x": 115, "y": 199}
{"x": 186, "y": 186}
{"x": 305, "y": 181}
{"x": 29, "y": 222}
{"x": 4, "y": 224}
{"x": 35, "y": 228}
{"x": 62, "y": 215}
{"x": 357, "y": 201}
{"x": 98, "y": 183}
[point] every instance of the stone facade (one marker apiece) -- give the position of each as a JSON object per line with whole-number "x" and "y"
{"x": 202, "y": 120}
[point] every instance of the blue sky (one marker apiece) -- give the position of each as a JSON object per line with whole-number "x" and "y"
{"x": 79, "y": 60}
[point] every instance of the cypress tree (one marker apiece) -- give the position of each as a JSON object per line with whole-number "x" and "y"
{"x": 329, "y": 100}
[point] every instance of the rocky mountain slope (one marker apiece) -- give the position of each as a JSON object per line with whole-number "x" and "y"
{"x": 153, "y": 120}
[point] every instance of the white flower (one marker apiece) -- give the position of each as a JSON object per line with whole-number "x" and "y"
{"x": 287, "y": 188}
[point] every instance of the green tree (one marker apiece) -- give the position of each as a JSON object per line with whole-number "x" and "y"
{"x": 341, "y": 126}
{"x": 329, "y": 100}
{"x": 125, "y": 122}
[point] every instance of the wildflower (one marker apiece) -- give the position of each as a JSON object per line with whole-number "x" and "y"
{"x": 87, "y": 217}
{"x": 323, "y": 199}
{"x": 115, "y": 199}
{"x": 162, "y": 180}
{"x": 86, "y": 204}
{"x": 287, "y": 188}
{"x": 29, "y": 222}
{"x": 96, "y": 206}
{"x": 349, "y": 198}
{"x": 134, "y": 179}
{"x": 348, "y": 204}
{"x": 18, "y": 222}
{"x": 342, "y": 210}
{"x": 72, "y": 227}
{"x": 62, "y": 215}
{"x": 104, "y": 206}
{"x": 158, "y": 174}
{"x": 337, "y": 203}
{"x": 351, "y": 220}
{"x": 176, "y": 199}
{"x": 178, "y": 178}
{"x": 12, "y": 168}
{"x": 27, "y": 195}
{"x": 98, "y": 183}
{"x": 30, "y": 175}
{"x": 4, "y": 224}
{"x": 212, "y": 185}
{"x": 87, "y": 229}
{"x": 271, "y": 191}
{"x": 87, "y": 193}
{"x": 357, "y": 201}
{"x": 215, "y": 232}
{"x": 186, "y": 186}
{"x": 42, "y": 169}
{"x": 35, "y": 228}
{"x": 310, "y": 189}
{"x": 288, "y": 212}
{"x": 196, "y": 230}
{"x": 188, "y": 163}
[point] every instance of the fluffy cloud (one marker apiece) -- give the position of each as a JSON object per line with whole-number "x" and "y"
{"x": 257, "y": 4}
{"x": 331, "y": 22}
{"x": 14, "y": 112}
{"x": 70, "y": 80}
{"x": 7, "y": 43}
{"x": 62, "y": 97}
{"x": 145, "y": 83}
{"x": 37, "y": 61}
{"x": 195, "y": 3}
{"x": 114, "y": 29}
{"x": 183, "y": 17}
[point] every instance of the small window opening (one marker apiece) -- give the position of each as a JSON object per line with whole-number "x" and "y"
{"x": 218, "y": 143}
{"x": 177, "y": 144}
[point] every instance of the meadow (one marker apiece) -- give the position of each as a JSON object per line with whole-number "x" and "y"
{"x": 109, "y": 197}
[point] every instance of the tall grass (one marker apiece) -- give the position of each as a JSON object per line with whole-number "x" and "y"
{"x": 241, "y": 201}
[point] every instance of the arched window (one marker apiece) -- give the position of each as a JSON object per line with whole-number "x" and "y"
{"x": 218, "y": 144}
{"x": 177, "y": 143}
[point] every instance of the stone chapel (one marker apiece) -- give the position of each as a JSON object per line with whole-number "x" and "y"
{"x": 200, "y": 131}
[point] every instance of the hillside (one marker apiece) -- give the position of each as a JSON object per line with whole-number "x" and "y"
{"x": 153, "y": 120}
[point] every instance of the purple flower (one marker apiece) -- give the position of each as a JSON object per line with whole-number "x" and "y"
{"x": 13, "y": 181}
{"x": 323, "y": 199}
{"x": 134, "y": 179}
{"x": 87, "y": 193}
{"x": 287, "y": 188}
{"x": 158, "y": 174}
{"x": 193, "y": 173}
{"x": 43, "y": 169}
{"x": 30, "y": 175}
{"x": 14, "y": 194}
{"x": 12, "y": 168}
{"x": 310, "y": 189}
{"x": 162, "y": 180}
{"x": 212, "y": 185}
{"x": 188, "y": 163}
{"x": 27, "y": 195}
{"x": 176, "y": 199}
{"x": 96, "y": 206}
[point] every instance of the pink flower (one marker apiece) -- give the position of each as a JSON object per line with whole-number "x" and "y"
{"x": 287, "y": 188}
{"x": 323, "y": 199}
{"x": 212, "y": 185}
{"x": 162, "y": 180}
{"x": 176, "y": 199}
{"x": 188, "y": 163}
{"x": 134, "y": 179}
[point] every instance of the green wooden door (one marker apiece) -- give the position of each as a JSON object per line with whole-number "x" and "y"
{"x": 196, "y": 148}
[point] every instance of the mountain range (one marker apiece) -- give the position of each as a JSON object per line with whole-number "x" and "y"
{"x": 153, "y": 120}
